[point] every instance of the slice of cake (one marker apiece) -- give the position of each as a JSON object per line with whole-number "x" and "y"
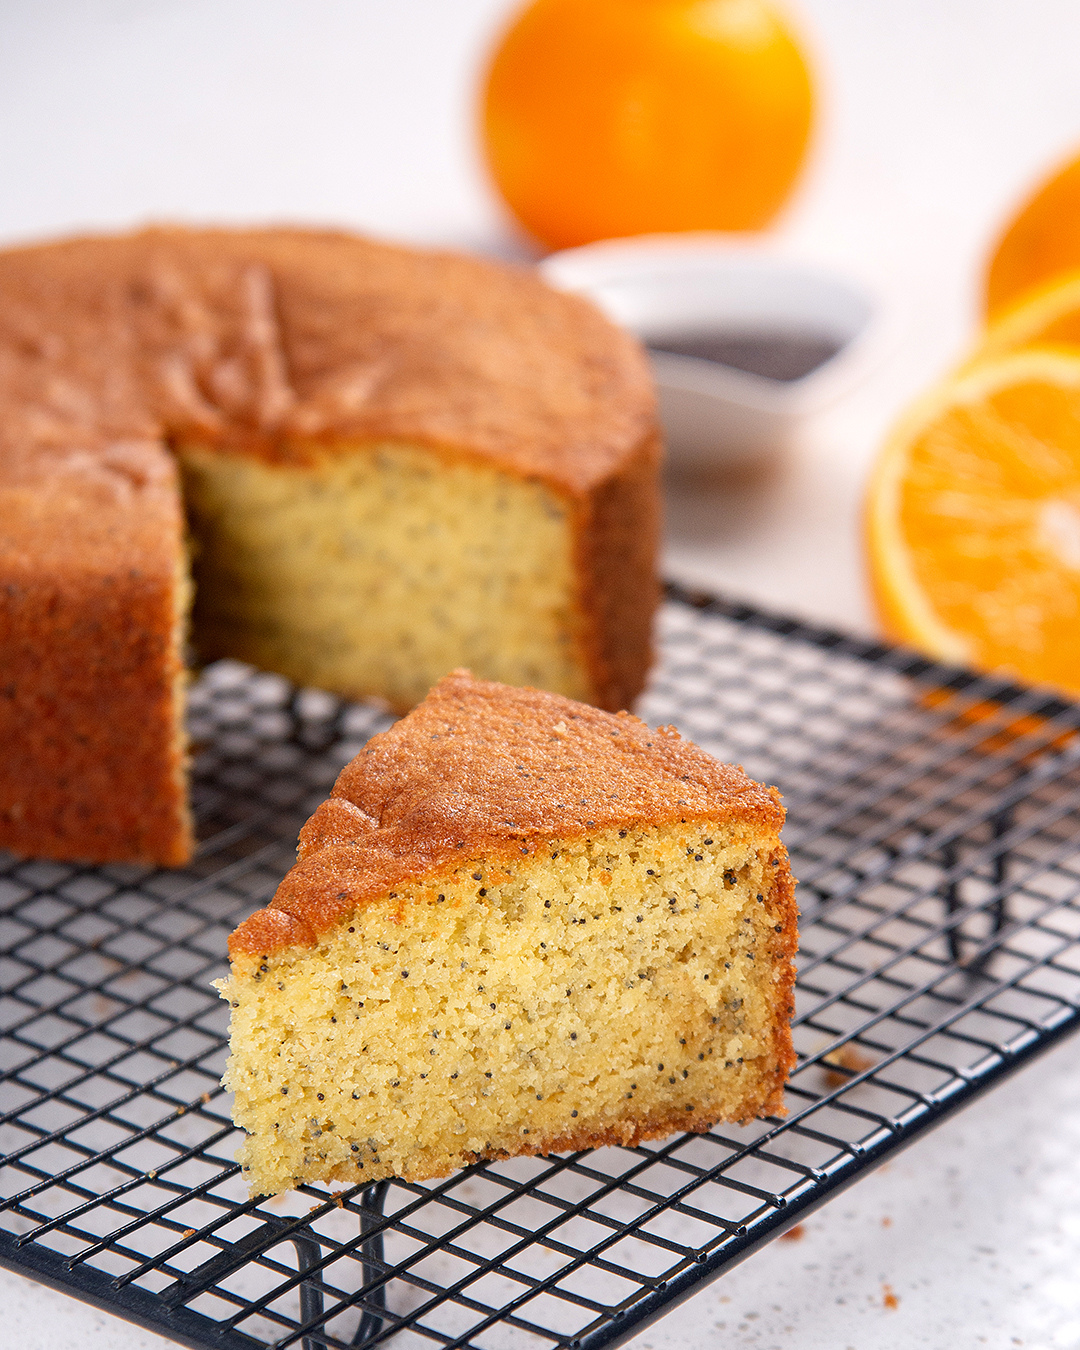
{"x": 518, "y": 925}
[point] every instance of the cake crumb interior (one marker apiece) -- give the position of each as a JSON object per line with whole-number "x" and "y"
{"x": 377, "y": 569}
{"x": 604, "y": 990}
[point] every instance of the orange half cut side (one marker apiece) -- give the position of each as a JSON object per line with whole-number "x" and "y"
{"x": 974, "y": 520}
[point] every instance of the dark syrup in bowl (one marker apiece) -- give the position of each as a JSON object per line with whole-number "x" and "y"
{"x": 783, "y": 355}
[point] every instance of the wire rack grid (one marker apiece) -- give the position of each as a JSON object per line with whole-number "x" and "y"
{"x": 932, "y": 820}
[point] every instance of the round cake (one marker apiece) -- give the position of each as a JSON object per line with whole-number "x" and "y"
{"x": 374, "y": 463}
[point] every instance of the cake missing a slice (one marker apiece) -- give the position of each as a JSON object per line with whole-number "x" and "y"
{"x": 390, "y": 462}
{"x": 519, "y": 925}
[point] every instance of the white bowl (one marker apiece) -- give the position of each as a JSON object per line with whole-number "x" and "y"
{"x": 666, "y": 286}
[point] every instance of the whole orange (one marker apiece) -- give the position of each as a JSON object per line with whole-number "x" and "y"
{"x": 605, "y": 118}
{"x": 1042, "y": 240}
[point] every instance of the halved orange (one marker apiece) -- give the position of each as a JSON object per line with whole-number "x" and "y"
{"x": 1041, "y": 241}
{"x": 1049, "y": 313}
{"x": 974, "y": 519}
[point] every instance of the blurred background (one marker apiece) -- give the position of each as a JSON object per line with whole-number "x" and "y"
{"x": 935, "y": 118}
{"x": 933, "y": 122}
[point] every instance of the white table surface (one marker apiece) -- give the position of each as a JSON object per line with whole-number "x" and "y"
{"x": 936, "y": 115}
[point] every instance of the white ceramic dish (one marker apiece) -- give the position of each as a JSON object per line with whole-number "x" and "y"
{"x": 665, "y": 286}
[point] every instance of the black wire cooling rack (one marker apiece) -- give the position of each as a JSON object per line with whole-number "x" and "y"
{"x": 932, "y": 820}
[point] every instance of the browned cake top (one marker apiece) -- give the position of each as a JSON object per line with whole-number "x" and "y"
{"x": 485, "y": 770}
{"x": 279, "y": 341}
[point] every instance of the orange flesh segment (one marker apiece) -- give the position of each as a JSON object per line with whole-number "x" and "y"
{"x": 987, "y": 507}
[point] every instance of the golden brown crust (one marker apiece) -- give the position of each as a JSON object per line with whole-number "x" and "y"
{"x": 288, "y": 345}
{"x": 783, "y": 910}
{"x": 92, "y": 759}
{"x": 617, "y": 561}
{"x": 483, "y": 769}
{"x": 289, "y": 342}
